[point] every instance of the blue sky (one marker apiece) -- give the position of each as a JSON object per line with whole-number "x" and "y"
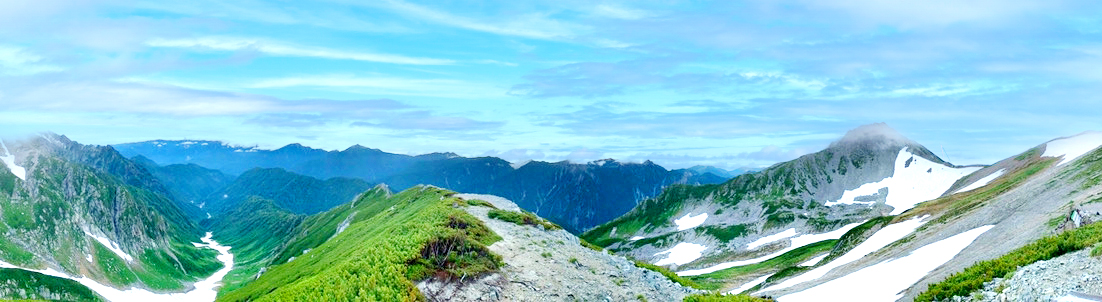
{"x": 725, "y": 83}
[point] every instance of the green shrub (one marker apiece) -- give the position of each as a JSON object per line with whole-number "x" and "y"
{"x": 972, "y": 278}
{"x": 522, "y": 218}
{"x": 671, "y": 275}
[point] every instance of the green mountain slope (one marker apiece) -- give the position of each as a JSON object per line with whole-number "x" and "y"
{"x": 294, "y": 192}
{"x": 86, "y": 210}
{"x": 17, "y": 284}
{"x": 387, "y": 244}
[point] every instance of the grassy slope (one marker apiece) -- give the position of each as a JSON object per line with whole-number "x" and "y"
{"x": 19, "y": 284}
{"x": 393, "y": 242}
{"x": 256, "y": 230}
{"x": 1089, "y": 171}
{"x": 720, "y": 279}
{"x": 64, "y": 189}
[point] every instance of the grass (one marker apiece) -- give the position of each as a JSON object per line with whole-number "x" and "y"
{"x": 522, "y": 218}
{"x": 725, "y": 233}
{"x": 718, "y": 297}
{"x": 479, "y": 202}
{"x": 394, "y": 242}
{"x": 20, "y": 284}
{"x": 972, "y": 278}
{"x": 670, "y": 275}
{"x": 256, "y": 230}
{"x": 722, "y": 278}
{"x": 590, "y": 245}
{"x": 1097, "y": 251}
{"x": 649, "y": 214}
{"x": 956, "y": 205}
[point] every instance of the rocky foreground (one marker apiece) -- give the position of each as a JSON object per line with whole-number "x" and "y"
{"x": 551, "y": 265}
{"x": 1046, "y": 280}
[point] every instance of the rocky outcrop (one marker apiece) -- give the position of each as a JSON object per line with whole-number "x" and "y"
{"x": 552, "y": 265}
{"x": 1045, "y": 280}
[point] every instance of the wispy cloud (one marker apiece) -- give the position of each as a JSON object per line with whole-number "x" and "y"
{"x": 386, "y": 85}
{"x": 20, "y": 61}
{"x": 285, "y": 49}
{"x": 530, "y": 25}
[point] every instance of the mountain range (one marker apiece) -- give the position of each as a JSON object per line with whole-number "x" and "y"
{"x": 874, "y": 216}
{"x": 576, "y": 196}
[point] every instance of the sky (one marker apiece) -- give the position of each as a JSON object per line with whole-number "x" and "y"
{"x": 725, "y": 83}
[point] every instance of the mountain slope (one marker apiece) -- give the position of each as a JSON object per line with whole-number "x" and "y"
{"x": 189, "y": 184}
{"x": 988, "y": 224}
{"x": 576, "y": 196}
{"x": 871, "y": 171}
{"x": 294, "y": 192}
{"x": 87, "y": 211}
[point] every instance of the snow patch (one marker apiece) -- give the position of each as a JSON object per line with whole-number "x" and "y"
{"x": 796, "y": 243}
{"x": 880, "y": 239}
{"x": 9, "y": 160}
{"x": 769, "y": 239}
{"x": 205, "y": 290}
{"x": 910, "y": 184}
{"x": 983, "y": 181}
{"x": 208, "y": 215}
{"x": 749, "y": 285}
{"x": 890, "y": 277}
{"x": 344, "y": 224}
{"x": 1073, "y": 147}
{"x": 814, "y": 261}
{"x": 111, "y": 246}
{"x": 636, "y": 238}
{"x": 687, "y": 222}
{"x": 681, "y": 253}
{"x": 89, "y": 257}
{"x": 1072, "y": 298}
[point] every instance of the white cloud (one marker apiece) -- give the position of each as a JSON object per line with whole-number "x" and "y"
{"x": 923, "y": 13}
{"x": 619, "y": 12}
{"x": 19, "y": 61}
{"x": 533, "y": 25}
{"x": 282, "y": 49}
{"x": 383, "y": 85}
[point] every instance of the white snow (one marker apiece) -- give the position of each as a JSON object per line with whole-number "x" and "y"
{"x": 89, "y": 257}
{"x": 890, "y": 277}
{"x": 1073, "y": 147}
{"x": 768, "y": 239}
{"x": 797, "y": 242}
{"x": 880, "y": 239}
{"x": 208, "y": 215}
{"x": 681, "y": 253}
{"x": 205, "y": 290}
{"x": 909, "y": 184}
{"x": 982, "y": 181}
{"x": 814, "y": 261}
{"x": 687, "y": 222}
{"x": 634, "y": 238}
{"x": 749, "y": 285}
{"x": 111, "y": 246}
{"x": 1072, "y": 298}
{"x": 9, "y": 160}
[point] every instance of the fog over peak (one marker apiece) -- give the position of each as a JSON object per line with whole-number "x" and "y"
{"x": 878, "y": 132}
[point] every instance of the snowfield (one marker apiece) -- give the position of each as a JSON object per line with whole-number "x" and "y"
{"x": 750, "y": 284}
{"x": 9, "y": 160}
{"x": 814, "y": 261}
{"x": 771, "y": 238}
{"x": 681, "y": 253}
{"x": 880, "y": 239}
{"x": 796, "y": 243}
{"x": 1073, "y": 147}
{"x": 983, "y": 181}
{"x": 909, "y": 185}
{"x": 634, "y": 238}
{"x": 890, "y": 277}
{"x": 205, "y": 290}
{"x": 687, "y": 222}
{"x": 111, "y": 246}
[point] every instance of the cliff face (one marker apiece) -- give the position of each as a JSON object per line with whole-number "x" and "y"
{"x": 87, "y": 210}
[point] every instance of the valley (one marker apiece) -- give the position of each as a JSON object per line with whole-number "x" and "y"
{"x": 822, "y": 226}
